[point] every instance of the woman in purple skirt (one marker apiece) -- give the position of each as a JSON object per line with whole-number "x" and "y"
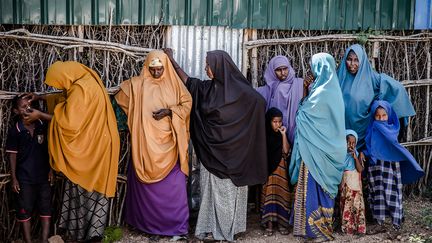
{"x": 158, "y": 107}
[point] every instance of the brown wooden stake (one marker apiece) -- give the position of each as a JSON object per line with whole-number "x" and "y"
{"x": 254, "y": 61}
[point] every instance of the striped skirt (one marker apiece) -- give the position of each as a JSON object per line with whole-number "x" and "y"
{"x": 276, "y": 197}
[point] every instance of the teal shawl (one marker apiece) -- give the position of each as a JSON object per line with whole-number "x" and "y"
{"x": 361, "y": 89}
{"x": 320, "y": 134}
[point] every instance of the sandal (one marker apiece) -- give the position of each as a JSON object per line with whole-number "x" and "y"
{"x": 208, "y": 237}
{"x": 284, "y": 231}
{"x": 268, "y": 232}
{"x": 178, "y": 238}
{"x": 373, "y": 230}
{"x": 394, "y": 232}
{"x": 154, "y": 238}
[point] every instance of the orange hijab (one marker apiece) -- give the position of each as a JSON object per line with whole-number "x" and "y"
{"x": 83, "y": 139}
{"x": 157, "y": 145}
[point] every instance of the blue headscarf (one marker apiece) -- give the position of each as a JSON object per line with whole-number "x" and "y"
{"x": 382, "y": 144}
{"x": 349, "y": 160}
{"x": 320, "y": 134}
{"x": 361, "y": 89}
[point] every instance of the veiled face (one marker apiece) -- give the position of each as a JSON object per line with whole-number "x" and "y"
{"x": 281, "y": 72}
{"x": 381, "y": 114}
{"x": 156, "y": 72}
{"x": 352, "y": 63}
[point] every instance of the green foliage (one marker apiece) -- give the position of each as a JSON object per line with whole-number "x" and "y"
{"x": 416, "y": 238}
{"x": 427, "y": 217}
{"x": 363, "y": 36}
{"x": 112, "y": 234}
{"x": 427, "y": 193}
{"x": 420, "y": 238}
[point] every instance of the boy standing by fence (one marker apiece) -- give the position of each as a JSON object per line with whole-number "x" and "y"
{"x": 30, "y": 170}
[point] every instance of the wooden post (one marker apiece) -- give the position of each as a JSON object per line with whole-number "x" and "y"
{"x": 254, "y": 61}
{"x": 80, "y": 35}
{"x": 409, "y": 131}
{"x": 167, "y": 40}
{"x": 72, "y": 53}
{"x": 375, "y": 53}
{"x": 428, "y": 76}
{"x": 427, "y": 170}
{"x": 245, "y": 58}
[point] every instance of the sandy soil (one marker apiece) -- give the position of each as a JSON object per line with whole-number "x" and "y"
{"x": 413, "y": 226}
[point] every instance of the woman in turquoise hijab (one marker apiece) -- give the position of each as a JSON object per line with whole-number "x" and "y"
{"x": 361, "y": 85}
{"x": 317, "y": 161}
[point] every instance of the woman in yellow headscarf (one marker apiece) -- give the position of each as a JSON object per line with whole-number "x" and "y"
{"x": 158, "y": 107}
{"x": 84, "y": 145}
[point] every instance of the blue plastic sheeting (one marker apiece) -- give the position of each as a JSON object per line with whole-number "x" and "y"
{"x": 423, "y": 15}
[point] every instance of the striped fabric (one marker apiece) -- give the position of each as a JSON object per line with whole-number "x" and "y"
{"x": 312, "y": 215}
{"x": 276, "y": 197}
{"x": 385, "y": 197}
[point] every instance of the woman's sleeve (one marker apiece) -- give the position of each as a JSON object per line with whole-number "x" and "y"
{"x": 193, "y": 85}
{"x": 52, "y": 100}
{"x": 395, "y": 93}
{"x": 122, "y": 97}
{"x": 120, "y": 116}
{"x": 182, "y": 110}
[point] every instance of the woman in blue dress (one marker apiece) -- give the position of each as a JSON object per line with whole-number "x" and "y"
{"x": 317, "y": 161}
{"x": 361, "y": 85}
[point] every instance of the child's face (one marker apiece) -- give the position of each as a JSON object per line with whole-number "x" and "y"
{"x": 381, "y": 114}
{"x": 22, "y": 108}
{"x": 351, "y": 143}
{"x": 276, "y": 123}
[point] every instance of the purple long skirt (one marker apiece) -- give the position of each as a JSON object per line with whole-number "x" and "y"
{"x": 159, "y": 208}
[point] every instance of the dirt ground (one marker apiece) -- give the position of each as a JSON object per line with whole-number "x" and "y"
{"x": 414, "y": 229}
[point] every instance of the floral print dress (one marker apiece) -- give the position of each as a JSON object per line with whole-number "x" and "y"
{"x": 352, "y": 204}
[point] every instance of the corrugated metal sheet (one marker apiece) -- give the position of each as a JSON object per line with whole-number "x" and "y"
{"x": 190, "y": 45}
{"x": 423, "y": 14}
{"x": 259, "y": 14}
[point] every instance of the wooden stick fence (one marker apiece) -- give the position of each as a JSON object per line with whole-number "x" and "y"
{"x": 117, "y": 53}
{"x": 403, "y": 55}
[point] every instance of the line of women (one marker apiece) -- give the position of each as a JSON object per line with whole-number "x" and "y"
{"x": 297, "y": 151}
{"x": 324, "y": 161}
